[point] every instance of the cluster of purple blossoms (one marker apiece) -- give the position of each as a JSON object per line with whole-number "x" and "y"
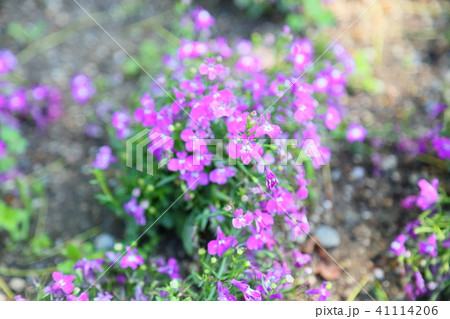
{"x": 137, "y": 211}
{"x": 82, "y": 88}
{"x": 104, "y": 158}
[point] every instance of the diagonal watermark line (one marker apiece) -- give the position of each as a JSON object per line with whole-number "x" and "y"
{"x": 135, "y": 242}
{"x": 314, "y": 240}
{"x": 134, "y": 60}
{"x": 320, "y": 56}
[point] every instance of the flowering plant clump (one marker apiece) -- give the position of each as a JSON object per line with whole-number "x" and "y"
{"x": 423, "y": 248}
{"x": 220, "y": 152}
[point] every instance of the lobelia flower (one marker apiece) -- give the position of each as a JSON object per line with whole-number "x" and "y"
{"x": 211, "y": 69}
{"x": 180, "y": 163}
{"x": 139, "y": 295}
{"x": 221, "y": 174}
{"x": 398, "y": 245}
{"x": 136, "y": 210}
{"x": 62, "y": 282}
{"x": 103, "y": 296}
{"x": 193, "y": 179}
{"x": 20, "y": 298}
{"x": 249, "y": 293}
{"x": 301, "y": 259}
{"x": 171, "y": 269}
{"x": 131, "y": 259}
{"x": 242, "y": 220}
{"x": 442, "y": 147}
{"x": 191, "y": 49}
{"x": 429, "y": 247}
{"x": 281, "y": 201}
{"x": 271, "y": 179}
{"x": 262, "y": 220}
{"x": 409, "y": 202}
{"x": 245, "y": 149}
{"x": 17, "y": 101}
{"x": 267, "y": 128}
{"x": 3, "y": 149}
{"x": 224, "y": 293}
{"x": 221, "y": 47}
{"x": 428, "y": 193}
{"x": 323, "y": 292}
{"x": 104, "y": 158}
{"x": 249, "y": 63}
{"x": 301, "y": 54}
{"x": 259, "y": 238}
{"x": 121, "y": 121}
{"x": 82, "y": 88}
{"x": 88, "y": 268}
{"x": 202, "y": 18}
{"x": 411, "y": 226}
{"x": 82, "y": 297}
{"x": 237, "y": 122}
{"x": 220, "y": 245}
{"x": 356, "y": 133}
{"x": 332, "y": 118}
{"x": 420, "y": 288}
{"x": 8, "y": 61}
{"x": 298, "y": 222}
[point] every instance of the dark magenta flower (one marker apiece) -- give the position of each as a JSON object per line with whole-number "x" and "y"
{"x": 137, "y": 211}
{"x": 429, "y": 247}
{"x": 323, "y": 292}
{"x": 221, "y": 174}
{"x": 82, "y": 297}
{"x": 265, "y": 127}
{"x": 202, "y": 19}
{"x": 171, "y": 269}
{"x": 281, "y": 201}
{"x": 428, "y": 194}
{"x": 224, "y": 293}
{"x": 220, "y": 245}
{"x": 332, "y": 118}
{"x": 211, "y": 69}
{"x": 271, "y": 179}
{"x": 442, "y": 147}
{"x": 262, "y": 220}
{"x": 62, "y": 282}
{"x": 249, "y": 293}
{"x": 131, "y": 259}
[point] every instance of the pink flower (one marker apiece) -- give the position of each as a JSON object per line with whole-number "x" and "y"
{"x": 3, "y": 149}
{"x": 121, "y": 121}
{"x": 62, "y": 282}
{"x": 240, "y": 219}
{"x": 211, "y": 69}
{"x": 281, "y": 202}
{"x": 301, "y": 259}
{"x": 305, "y": 109}
{"x": 356, "y": 133}
{"x": 180, "y": 163}
{"x": 245, "y": 149}
{"x": 18, "y": 101}
{"x": 224, "y": 293}
{"x": 191, "y": 49}
{"x": 429, "y": 246}
{"x": 298, "y": 222}
{"x": 262, "y": 220}
{"x": 8, "y": 61}
{"x": 249, "y": 64}
{"x": 323, "y": 292}
{"x": 193, "y": 179}
{"x": 267, "y": 128}
{"x": 442, "y": 147}
{"x": 202, "y": 18}
{"x": 332, "y": 118}
{"x": 237, "y": 122}
{"x": 220, "y": 174}
{"x": 428, "y": 194}
{"x": 221, "y": 244}
{"x": 409, "y": 202}
{"x": 301, "y": 54}
{"x": 398, "y": 245}
{"x": 131, "y": 259}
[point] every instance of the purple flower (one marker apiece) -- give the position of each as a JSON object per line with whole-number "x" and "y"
{"x": 139, "y": 295}
{"x": 301, "y": 54}
{"x": 262, "y": 220}
{"x": 82, "y": 88}
{"x": 82, "y": 297}
{"x": 281, "y": 201}
{"x": 429, "y": 246}
{"x": 249, "y": 63}
{"x": 18, "y": 101}
{"x": 221, "y": 174}
{"x": 104, "y": 158}
{"x": 3, "y": 149}
{"x": 202, "y": 18}
{"x": 193, "y": 179}
{"x": 240, "y": 219}
{"x": 356, "y": 133}
{"x": 224, "y": 293}
{"x": 442, "y": 147}
{"x": 249, "y": 293}
{"x": 267, "y": 128}
{"x": 131, "y": 259}
{"x": 191, "y": 49}
{"x": 171, "y": 269}
{"x": 398, "y": 245}
{"x": 221, "y": 244}
{"x": 428, "y": 194}
{"x": 245, "y": 149}
{"x": 62, "y": 282}
{"x": 301, "y": 259}
{"x": 446, "y": 243}
{"x": 411, "y": 226}
{"x": 420, "y": 288}
{"x": 121, "y": 121}
{"x": 88, "y": 267}
{"x": 8, "y": 61}
{"x": 271, "y": 179}
{"x": 20, "y": 298}
{"x": 323, "y": 292}
{"x": 137, "y": 211}
{"x": 103, "y": 296}
{"x": 409, "y": 202}
{"x": 298, "y": 222}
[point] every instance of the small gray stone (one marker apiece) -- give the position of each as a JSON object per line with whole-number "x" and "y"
{"x": 389, "y": 162}
{"x": 17, "y": 284}
{"x": 104, "y": 241}
{"x": 378, "y": 273}
{"x": 358, "y": 172}
{"x": 328, "y": 236}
